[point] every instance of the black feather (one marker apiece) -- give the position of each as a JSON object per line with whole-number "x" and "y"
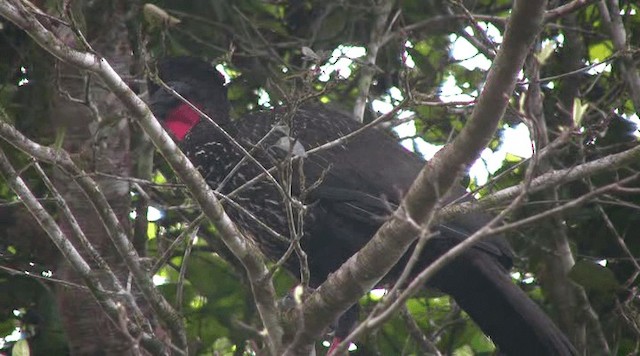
{"x": 354, "y": 187}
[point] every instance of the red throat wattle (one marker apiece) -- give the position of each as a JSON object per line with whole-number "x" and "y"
{"x": 181, "y": 119}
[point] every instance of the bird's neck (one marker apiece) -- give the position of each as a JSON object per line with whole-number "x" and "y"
{"x": 181, "y": 120}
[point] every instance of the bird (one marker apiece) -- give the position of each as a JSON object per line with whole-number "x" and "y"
{"x": 334, "y": 200}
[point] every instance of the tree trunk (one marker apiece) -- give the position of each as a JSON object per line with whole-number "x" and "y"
{"x": 97, "y": 133}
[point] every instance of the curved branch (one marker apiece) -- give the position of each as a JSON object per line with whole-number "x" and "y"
{"x": 363, "y": 270}
{"x": 115, "y": 230}
{"x": 246, "y": 252}
{"x": 545, "y": 181}
{"x": 72, "y": 255}
{"x": 613, "y": 21}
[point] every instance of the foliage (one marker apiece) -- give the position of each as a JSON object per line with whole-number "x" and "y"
{"x": 260, "y": 45}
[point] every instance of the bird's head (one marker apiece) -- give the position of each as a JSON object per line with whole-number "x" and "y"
{"x": 196, "y": 81}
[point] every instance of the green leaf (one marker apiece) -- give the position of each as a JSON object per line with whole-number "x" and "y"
{"x": 511, "y": 158}
{"x": 578, "y": 111}
{"x": 545, "y": 52}
{"x": 152, "y": 230}
{"x": 600, "y": 51}
{"x": 7, "y": 326}
{"x": 21, "y": 348}
{"x": 594, "y": 277}
{"x": 159, "y": 178}
{"x": 463, "y": 351}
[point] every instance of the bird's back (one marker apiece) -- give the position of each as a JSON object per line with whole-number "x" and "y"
{"x": 348, "y": 189}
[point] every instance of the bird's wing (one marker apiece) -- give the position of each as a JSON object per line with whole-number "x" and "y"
{"x": 364, "y": 178}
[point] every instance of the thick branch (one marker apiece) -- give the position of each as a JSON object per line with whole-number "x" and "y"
{"x": 104, "y": 267}
{"x": 613, "y": 21}
{"x": 382, "y": 11}
{"x": 114, "y": 229}
{"x": 247, "y": 253}
{"x": 72, "y": 255}
{"x": 362, "y": 271}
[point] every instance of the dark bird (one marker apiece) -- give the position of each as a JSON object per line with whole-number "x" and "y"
{"x": 347, "y": 191}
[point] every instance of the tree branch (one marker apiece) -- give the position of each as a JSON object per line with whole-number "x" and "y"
{"x": 382, "y": 10}
{"x": 613, "y": 21}
{"x": 114, "y": 229}
{"x": 545, "y": 181}
{"x": 363, "y": 270}
{"x": 565, "y": 9}
{"x": 247, "y": 253}
{"x": 102, "y": 296}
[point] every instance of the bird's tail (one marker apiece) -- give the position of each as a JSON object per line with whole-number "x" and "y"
{"x": 502, "y": 310}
